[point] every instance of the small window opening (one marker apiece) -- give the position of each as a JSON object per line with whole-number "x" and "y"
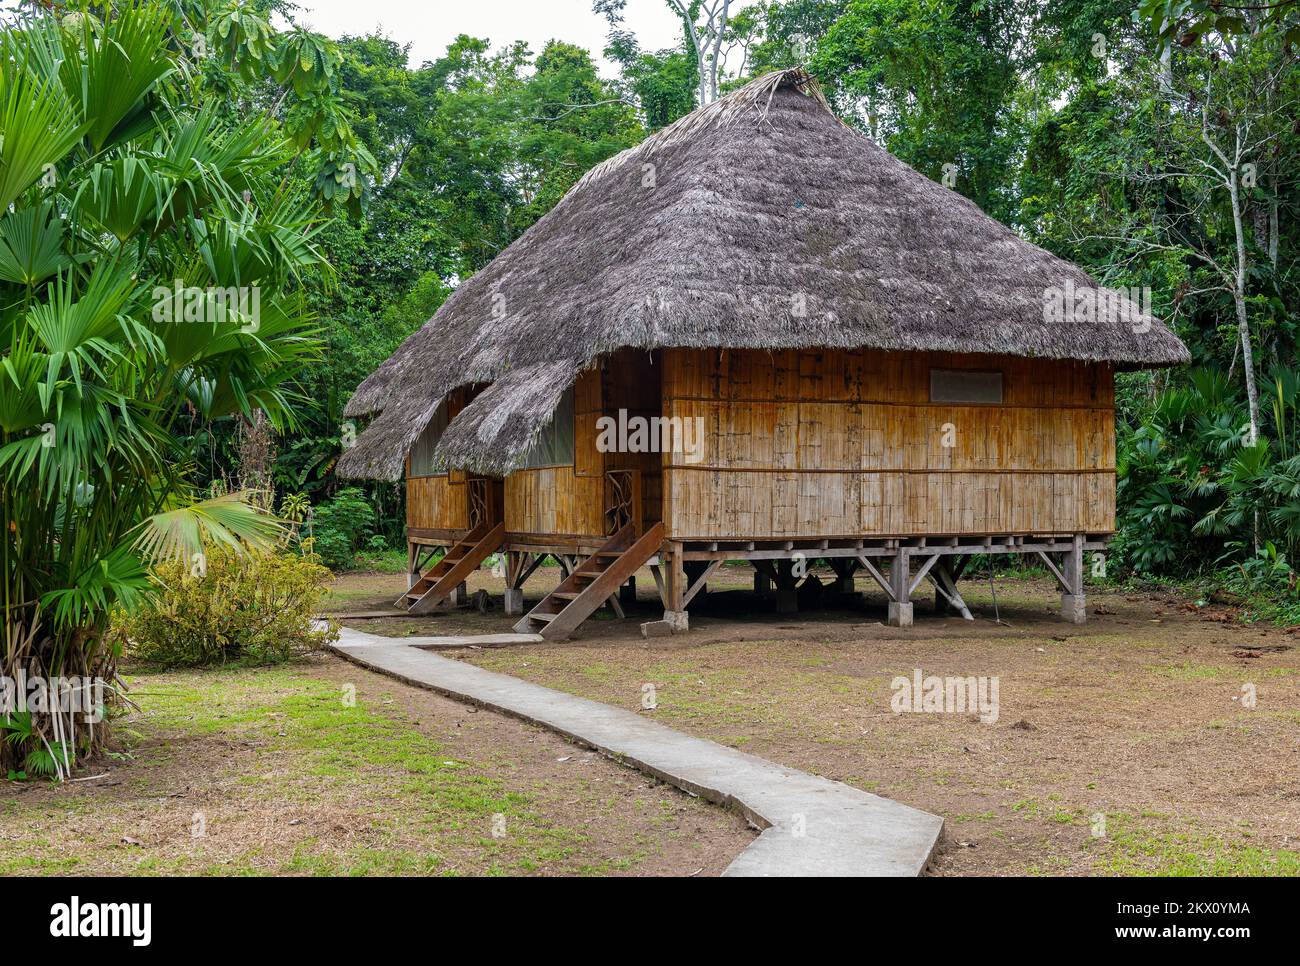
{"x": 965, "y": 386}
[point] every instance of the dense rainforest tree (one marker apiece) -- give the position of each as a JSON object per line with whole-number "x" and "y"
{"x": 152, "y": 252}
{"x": 469, "y": 150}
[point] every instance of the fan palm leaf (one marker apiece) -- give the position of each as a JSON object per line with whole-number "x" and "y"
{"x": 228, "y": 520}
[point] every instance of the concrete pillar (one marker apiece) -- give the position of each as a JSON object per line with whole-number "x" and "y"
{"x": 627, "y": 593}
{"x": 678, "y": 620}
{"x": 900, "y": 615}
{"x": 514, "y": 601}
{"x": 844, "y": 585}
{"x": 1073, "y": 609}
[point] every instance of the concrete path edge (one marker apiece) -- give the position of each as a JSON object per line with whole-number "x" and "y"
{"x": 812, "y": 826}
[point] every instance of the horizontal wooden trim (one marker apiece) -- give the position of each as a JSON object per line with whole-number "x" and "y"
{"x": 548, "y": 466}
{"x": 1107, "y": 470}
{"x": 435, "y": 476}
{"x": 532, "y": 542}
{"x": 434, "y": 535}
{"x": 814, "y": 543}
{"x": 719, "y": 400}
{"x": 1092, "y": 546}
{"x": 554, "y": 538}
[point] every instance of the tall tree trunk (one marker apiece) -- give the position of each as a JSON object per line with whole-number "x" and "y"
{"x": 1239, "y": 298}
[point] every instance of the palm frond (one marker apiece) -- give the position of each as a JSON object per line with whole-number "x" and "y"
{"x": 229, "y": 520}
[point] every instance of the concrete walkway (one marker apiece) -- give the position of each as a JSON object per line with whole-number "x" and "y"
{"x": 812, "y": 826}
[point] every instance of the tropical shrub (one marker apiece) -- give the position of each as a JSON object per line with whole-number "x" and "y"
{"x": 341, "y": 527}
{"x": 153, "y": 240}
{"x": 1195, "y": 494}
{"x": 254, "y": 607}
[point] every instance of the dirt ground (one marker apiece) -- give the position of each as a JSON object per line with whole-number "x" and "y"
{"x": 1158, "y": 738}
{"x": 322, "y": 768}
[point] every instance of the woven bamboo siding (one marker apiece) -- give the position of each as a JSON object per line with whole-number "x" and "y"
{"x": 440, "y": 502}
{"x": 564, "y": 500}
{"x": 822, "y": 443}
{"x": 434, "y": 503}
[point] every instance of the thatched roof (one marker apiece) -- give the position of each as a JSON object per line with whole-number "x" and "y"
{"x": 760, "y": 221}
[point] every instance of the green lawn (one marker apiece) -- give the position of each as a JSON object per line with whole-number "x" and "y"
{"x": 323, "y": 769}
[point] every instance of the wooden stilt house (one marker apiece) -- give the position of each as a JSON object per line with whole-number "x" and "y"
{"x": 757, "y": 336}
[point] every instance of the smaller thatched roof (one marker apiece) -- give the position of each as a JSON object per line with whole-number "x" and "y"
{"x": 504, "y": 419}
{"x": 762, "y": 222}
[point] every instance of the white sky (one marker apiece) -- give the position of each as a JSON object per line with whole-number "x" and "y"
{"x": 430, "y": 25}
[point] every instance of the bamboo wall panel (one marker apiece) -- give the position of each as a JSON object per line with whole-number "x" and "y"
{"x": 564, "y": 500}
{"x": 435, "y": 503}
{"x": 440, "y": 502}
{"x": 555, "y": 500}
{"x": 817, "y": 443}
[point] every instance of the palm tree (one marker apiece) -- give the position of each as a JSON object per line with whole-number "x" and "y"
{"x": 149, "y": 251}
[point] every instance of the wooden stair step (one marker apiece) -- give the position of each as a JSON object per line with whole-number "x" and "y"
{"x": 435, "y": 585}
{"x": 605, "y": 569}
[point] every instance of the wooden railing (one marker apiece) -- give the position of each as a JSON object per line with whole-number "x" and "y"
{"x": 623, "y": 500}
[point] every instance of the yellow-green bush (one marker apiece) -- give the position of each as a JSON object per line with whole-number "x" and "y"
{"x": 254, "y": 606}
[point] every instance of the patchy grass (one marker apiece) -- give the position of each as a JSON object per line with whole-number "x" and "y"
{"x": 1141, "y": 712}
{"x": 319, "y": 768}
{"x": 1132, "y": 847}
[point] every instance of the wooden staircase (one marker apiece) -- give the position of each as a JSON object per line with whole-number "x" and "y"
{"x": 592, "y": 583}
{"x": 436, "y": 584}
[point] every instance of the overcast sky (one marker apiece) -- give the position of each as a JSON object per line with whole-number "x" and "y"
{"x": 430, "y": 25}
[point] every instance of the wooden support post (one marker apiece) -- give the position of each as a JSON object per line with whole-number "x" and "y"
{"x": 413, "y": 564}
{"x": 844, "y": 568}
{"x": 787, "y": 596}
{"x": 1073, "y": 606}
{"x": 942, "y": 606}
{"x": 694, "y": 570}
{"x": 657, "y": 572}
{"x": 762, "y": 583}
{"x": 699, "y": 583}
{"x": 900, "y": 586}
{"x": 872, "y": 571}
{"x": 627, "y": 593}
{"x": 945, "y": 590}
{"x": 675, "y": 591}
